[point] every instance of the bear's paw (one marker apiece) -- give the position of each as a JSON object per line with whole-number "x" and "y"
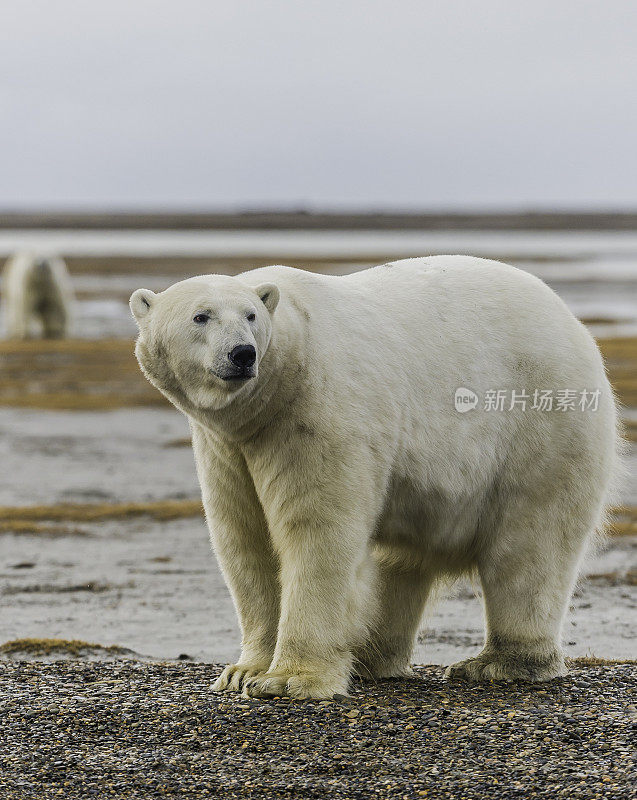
{"x": 317, "y": 685}
{"x": 488, "y": 667}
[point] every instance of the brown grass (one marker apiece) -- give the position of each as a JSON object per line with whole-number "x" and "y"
{"x": 73, "y": 375}
{"x": 45, "y": 519}
{"x": 47, "y": 647}
{"x": 628, "y": 578}
{"x": 630, "y": 430}
{"x": 624, "y": 522}
{"x": 78, "y": 375}
{"x": 620, "y": 354}
{"x": 53, "y": 520}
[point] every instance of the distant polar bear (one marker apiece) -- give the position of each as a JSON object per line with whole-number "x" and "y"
{"x": 340, "y": 481}
{"x": 38, "y": 297}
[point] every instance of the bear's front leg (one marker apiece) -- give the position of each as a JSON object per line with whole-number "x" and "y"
{"x": 320, "y": 527}
{"x": 241, "y": 541}
{"x": 321, "y": 616}
{"x": 320, "y": 494}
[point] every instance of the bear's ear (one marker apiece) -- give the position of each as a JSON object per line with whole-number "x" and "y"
{"x": 140, "y": 303}
{"x": 269, "y": 294}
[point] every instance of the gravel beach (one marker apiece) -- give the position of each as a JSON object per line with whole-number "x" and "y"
{"x": 127, "y": 729}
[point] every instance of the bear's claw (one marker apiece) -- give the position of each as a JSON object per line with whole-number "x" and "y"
{"x": 234, "y": 676}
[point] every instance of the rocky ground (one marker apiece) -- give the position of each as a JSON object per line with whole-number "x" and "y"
{"x": 125, "y": 729}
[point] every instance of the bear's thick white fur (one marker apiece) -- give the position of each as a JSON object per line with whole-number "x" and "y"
{"x": 38, "y": 297}
{"x": 340, "y": 482}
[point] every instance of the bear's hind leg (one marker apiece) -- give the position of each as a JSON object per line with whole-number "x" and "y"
{"x": 527, "y": 577}
{"x": 403, "y": 590}
{"x": 18, "y": 318}
{"x": 54, "y": 322}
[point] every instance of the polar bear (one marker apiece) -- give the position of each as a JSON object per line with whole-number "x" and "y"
{"x": 38, "y": 297}
{"x": 340, "y": 482}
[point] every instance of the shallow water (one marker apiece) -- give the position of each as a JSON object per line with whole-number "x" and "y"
{"x": 556, "y": 245}
{"x": 595, "y": 273}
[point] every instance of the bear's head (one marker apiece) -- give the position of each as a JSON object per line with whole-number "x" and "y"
{"x": 203, "y": 338}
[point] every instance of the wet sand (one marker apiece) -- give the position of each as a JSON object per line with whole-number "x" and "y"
{"x": 154, "y": 587}
{"x": 101, "y": 534}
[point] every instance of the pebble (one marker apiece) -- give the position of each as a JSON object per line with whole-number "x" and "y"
{"x": 125, "y": 729}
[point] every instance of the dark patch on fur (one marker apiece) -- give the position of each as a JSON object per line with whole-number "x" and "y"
{"x": 306, "y": 430}
{"x": 300, "y": 308}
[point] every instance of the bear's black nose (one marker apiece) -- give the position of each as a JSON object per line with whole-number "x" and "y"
{"x": 243, "y": 356}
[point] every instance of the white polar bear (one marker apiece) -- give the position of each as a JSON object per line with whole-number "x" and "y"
{"x": 340, "y": 481}
{"x": 38, "y": 297}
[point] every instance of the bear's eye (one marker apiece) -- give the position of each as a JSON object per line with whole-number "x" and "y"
{"x": 252, "y": 316}
{"x": 201, "y": 319}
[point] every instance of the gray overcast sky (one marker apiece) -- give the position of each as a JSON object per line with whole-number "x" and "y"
{"x": 327, "y": 103}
